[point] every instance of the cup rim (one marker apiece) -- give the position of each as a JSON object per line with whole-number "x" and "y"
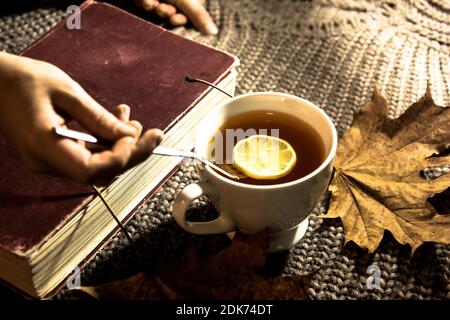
{"x": 324, "y": 164}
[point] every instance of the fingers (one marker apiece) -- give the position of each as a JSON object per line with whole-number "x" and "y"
{"x": 165, "y": 10}
{"x": 75, "y": 161}
{"x": 73, "y": 100}
{"x": 126, "y": 153}
{"x": 145, "y": 145}
{"x": 197, "y": 14}
{"x": 147, "y": 5}
{"x": 72, "y": 160}
{"x": 138, "y": 127}
{"x": 122, "y": 112}
{"x": 193, "y": 10}
{"x": 102, "y": 167}
{"x": 178, "y": 19}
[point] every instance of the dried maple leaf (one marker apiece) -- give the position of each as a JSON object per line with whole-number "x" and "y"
{"x": 377, "y": 184}
{"x": 230, "y": 274}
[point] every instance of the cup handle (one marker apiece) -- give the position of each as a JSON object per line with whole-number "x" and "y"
{"x": 180, "y": 205}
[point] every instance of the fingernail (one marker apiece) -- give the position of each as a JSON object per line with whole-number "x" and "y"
{"x": 124, "y": 111}
{"x": 211, "y": 28}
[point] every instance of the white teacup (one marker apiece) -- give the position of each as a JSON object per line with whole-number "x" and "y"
{"x": 282, "y": 209}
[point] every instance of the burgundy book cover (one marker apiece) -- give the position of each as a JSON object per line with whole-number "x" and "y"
{"x": 117, "y": 58}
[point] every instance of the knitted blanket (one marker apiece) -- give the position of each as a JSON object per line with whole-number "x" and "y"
{"x": 332, "y": 53}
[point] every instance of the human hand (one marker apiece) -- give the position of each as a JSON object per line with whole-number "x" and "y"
{"x": 37, "y": 96}
{"x": 193, "y": 10}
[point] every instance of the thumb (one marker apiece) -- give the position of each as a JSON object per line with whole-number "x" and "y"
{"x": 91, "y": 115}
{"x": 197, "y": 14}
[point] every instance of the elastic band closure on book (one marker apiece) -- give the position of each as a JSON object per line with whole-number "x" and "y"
{"x": 122, "y": 228}
{"x": 190, "y": 79}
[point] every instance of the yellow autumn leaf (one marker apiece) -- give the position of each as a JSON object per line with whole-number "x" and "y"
{"x": 377, "y": 184}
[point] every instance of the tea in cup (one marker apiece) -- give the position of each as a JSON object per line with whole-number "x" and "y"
{"x": 281, "y": 202}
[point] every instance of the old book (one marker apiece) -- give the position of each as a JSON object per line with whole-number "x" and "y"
{"x": 49, "y": 225}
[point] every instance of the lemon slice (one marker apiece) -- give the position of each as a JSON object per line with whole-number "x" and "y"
{"x": 264, "y": 157}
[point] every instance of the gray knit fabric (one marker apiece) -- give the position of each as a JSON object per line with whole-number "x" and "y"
{"x": 332, "y": 53}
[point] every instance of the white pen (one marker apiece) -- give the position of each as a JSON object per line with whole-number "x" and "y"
{"x": 77, "y": 135}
